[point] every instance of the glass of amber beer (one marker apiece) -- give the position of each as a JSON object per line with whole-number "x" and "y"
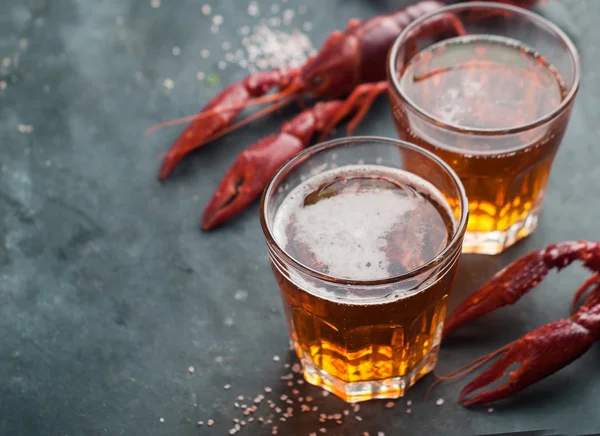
{"x": 364, "y": 252}
{"x": 489, "y": 88}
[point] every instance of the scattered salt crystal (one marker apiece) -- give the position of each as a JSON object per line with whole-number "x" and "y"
{"x": 358, "y": 418}
{"x": 253, "y": 10}
{"x": 276, "y": 358}
{"x": 323, "y": 430}
{"x": 204, "y": 53}
{"x": 169, "y": 84}
{"x": 191, "y": 370}
{"x": 268, "y": 389}
{"x": 200, "y": 423}
{"x": 217, "y": 20}
{"x": 226, "y": 387}
{"x": 176, "y": 51}
{"x": 162, "y": 419}
{"x": 3, "y": 85}
{"x": 356, "y": 408}
{"x": 240, "y": 397}
{"x": 228, "y": 321}
{"x": 25, "y": 128}
{"x": 409, "y": 403}
{"x": 307, "y": 27}
{"x": 390, "y": 404}
{"x": 200, "y": 75}
{"x": 325, "y": 393}
{"x": 380, "y": 433}
{"x": 288, "y": 15}
{"x": 490, "y": 410}
{"x": 440, "y": 402}
{"x": 205, "y": 9}
{"x": 409, "y": 411}
{"x": 155, "y": 3}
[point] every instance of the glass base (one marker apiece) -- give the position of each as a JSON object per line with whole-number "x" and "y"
{"x": 496, "y": 242}
{"x": 354, "y": 392}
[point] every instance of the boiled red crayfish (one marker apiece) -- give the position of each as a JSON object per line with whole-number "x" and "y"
{"x": 349, "y": 64}
{"x": 545, "y": 350}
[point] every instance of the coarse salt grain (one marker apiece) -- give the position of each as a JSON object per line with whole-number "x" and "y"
{"x": 253, "y": 10}
{"x": 204, "y": 53}
{"x": 440, "y": 402}
{"x": 409, "y": 411}
{"x": 169, "y": 84}
{"x": 210, "y": 422}
{"x": 206, "y": 9}
{"x": 161, "y": 419}
{"x": 490, "y": 410}
{"x": 25, "y": 128}
{"x": 276, "y": 358}
{"x": 176, "y": 51}
{"x": 325, "y": 393}
{"x": 191, "y": 370}
{"x": 217, "y": 20}
{"x": 155, "y": 3}
{"x": 226, "y": 387}
{"x": 358, "y": 418}
{"x": 268, "y": 389}
{"x": 389, "y": 404}
{"x": 409, "y": 403}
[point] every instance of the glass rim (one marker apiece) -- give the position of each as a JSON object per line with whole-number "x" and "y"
{"x": 305, "y": 154}
{"x": 550, "y": 26}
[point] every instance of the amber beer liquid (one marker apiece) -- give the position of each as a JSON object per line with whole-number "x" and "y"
{"x": 496, "y": 110}
{"x": 364, "y": 224}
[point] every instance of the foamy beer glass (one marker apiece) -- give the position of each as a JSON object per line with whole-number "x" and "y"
{"x": 494, "y": 103}
{"x": 364, "y": 253}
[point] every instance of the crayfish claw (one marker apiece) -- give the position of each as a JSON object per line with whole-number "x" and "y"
{"x": 540, "y": 353}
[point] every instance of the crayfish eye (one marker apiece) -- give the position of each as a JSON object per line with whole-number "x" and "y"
{"x": 317, "y": 80}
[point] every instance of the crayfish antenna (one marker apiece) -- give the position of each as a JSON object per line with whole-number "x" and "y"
{"x": 464, "y": 369}
{"x": 233, "y": 107}
{"x": 591, "y": 281}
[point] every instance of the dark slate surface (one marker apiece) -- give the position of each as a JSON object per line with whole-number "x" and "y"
{"x": 108, "y": 289}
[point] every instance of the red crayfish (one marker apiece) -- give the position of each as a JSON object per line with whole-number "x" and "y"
{"x": 350, "y": 64}
{"x": 545, "y": 350}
